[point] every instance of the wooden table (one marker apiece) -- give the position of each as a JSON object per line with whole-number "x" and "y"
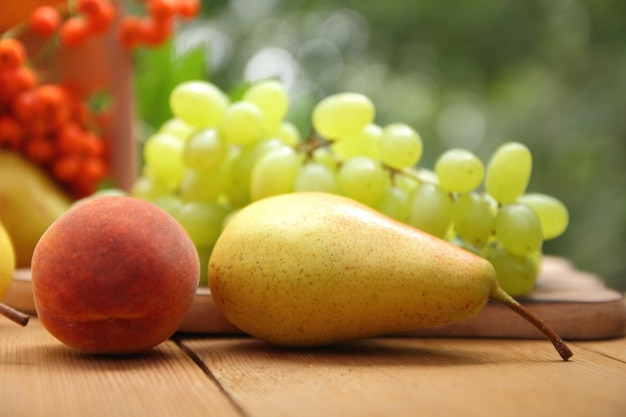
{"x": 240, "y": 376}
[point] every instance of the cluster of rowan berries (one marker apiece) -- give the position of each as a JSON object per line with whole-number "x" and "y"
{"x": 92, "y": 17}
{"x": 157, "y": 25}
{"x": 49, "y": 124}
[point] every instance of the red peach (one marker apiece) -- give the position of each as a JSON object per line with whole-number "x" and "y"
{"x": 114, "y": 275}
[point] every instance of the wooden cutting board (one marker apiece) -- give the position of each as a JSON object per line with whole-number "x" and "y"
{"x": 576, "y": 304}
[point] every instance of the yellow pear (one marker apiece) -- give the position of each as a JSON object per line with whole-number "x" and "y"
{"x": 29, "y": 202}
{"x": 7, "y": 262}
{"x": 311, "y": 269}
{"x": 7, "y": 267}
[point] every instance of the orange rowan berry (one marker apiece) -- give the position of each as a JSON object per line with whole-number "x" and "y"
{"x": 25, "y": 106}
{"x": 74, "y": 31}
{"x": 25, "y": 78}
{"x": 45, "y": 20}
{"x": 92, "y": 146}
{"x": 39, "y": 149}
{"x": 154, "y": 32}
{"x": 80, "y": 188}
{"x": 161, "y": 9}
{"x": 69, "y": 138}
{"x": 129, "y": 32}
{"x": 12, "y": 53}
{"x": 11, "y": 133}
{"x": 98, "y": 13}
{"x": 66, "y": 168}
{"x": 188, "y": 8}
{"x": 88, "y": 6}
{"x": 93, "y": 169}
{"x": 54, "y": 107}
{"x": 13, "y": 81}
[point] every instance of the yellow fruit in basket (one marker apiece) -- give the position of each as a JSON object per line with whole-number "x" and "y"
{"x": 29, "y": 202}
{"x": 7, "y": 262}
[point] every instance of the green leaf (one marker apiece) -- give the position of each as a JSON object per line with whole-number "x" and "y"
{"x": 157, "y": 72}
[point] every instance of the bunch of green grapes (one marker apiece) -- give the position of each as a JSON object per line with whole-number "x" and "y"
{"x": 216, "y": 156}
{"x": 493, "y": 215}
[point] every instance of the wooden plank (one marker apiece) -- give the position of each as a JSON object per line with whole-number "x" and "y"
{"x": 42, "y": 377}
{"x": 412, "y": 376}
{"x": 615, "y": 349}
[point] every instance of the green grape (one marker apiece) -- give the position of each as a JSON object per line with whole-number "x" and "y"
{"x": 459, "y": 171}
{"x": 400, "y": 146}
{"x": 204, "y": 150}
{"x": 406, "y": 183}
{"x": 208, "y": 186}
{"x": 455, "y": 240}
{"x": 241, "y": 168}
{"x": 473, "y": 218}
{"x": 228, "y": 218}
{"x": 223, "y": 175}
{"x": 274, "y": 173}
{"x": 495, "y": 207}
{"x": 517, "y": 275}
{"x": 147, "y": 187}
{"x": 242, "y": 123}
{"x": 199, "y": 186}
{"x": 362, "y": 179}
{"x": 430, "y": 210}
{"x": 342, "y": 115}
{"x": 288, "y": 134}
{"x": 314, "y": 176}
{"x": 394, "y": 203}
{"x": 198, "y": 103}
{"x": 518, "y": 229}
{"x": 271, "y": 97}
{"x": 100, "y": 193}
{"x": 163, "y": 154}
{"x": 552, "y": 213}
{"x": 109, "y": 191}
{"x": 537, "y": 259}
{"x": 202, "y": 220}
{"x": 325, "y": 157}
{"x": 204, "y": 254}
{"x": 425, "y": 175}
{"x": 364, "y": 143}
{"x": 169, "y": 202}
{"x": 508, "y": 172}
{"x": 177, "y": 127}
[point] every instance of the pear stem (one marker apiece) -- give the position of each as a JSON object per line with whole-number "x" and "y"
{"x": 499, "y": 295}
{"x": 14, "y": 315}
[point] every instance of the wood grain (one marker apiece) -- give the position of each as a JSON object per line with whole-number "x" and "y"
{"x": 42, "y": 377}
{"x": 615, "y": 349}
{"x": 240, "y": 376}
{"x": 412, "y": 376}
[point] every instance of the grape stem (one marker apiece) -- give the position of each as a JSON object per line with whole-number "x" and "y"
{"x": 14, "y": 315}
{"x": 499, "y": 295}
{"x": 314, "y": 141}
{"x": 409, "y": 172}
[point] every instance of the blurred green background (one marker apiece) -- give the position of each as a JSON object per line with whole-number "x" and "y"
{"x": 471, "y": 74}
